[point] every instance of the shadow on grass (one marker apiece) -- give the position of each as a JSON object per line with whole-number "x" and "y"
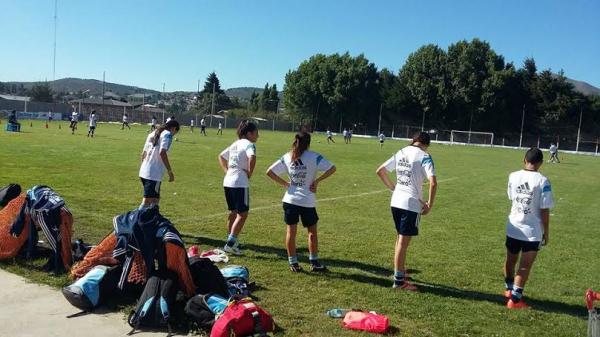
{"x": 538, "y": 305}
{"x": 336, "y": 263}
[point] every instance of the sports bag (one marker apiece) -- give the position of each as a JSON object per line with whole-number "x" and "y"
{"x": 155, "y": 305}
{"x": 207, "y": 277}
{"x": 366, "y": 321}
{"x": 202, "y": 309}
{"x": 93, "y": 288}
{"x": 238, "y": 280}
{"x": 8, "y": 193}
{"x": 243, "y": 318}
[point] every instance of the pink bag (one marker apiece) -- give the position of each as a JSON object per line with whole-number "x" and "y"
{"x": 366, "y": 321}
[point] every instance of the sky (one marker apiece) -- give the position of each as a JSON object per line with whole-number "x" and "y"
{"x": 249, "y": 43}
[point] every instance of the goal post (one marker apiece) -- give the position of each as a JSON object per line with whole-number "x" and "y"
{"x": 471, "y": 137}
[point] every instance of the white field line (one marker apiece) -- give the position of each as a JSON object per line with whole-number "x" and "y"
{"x": 278, "y": 205}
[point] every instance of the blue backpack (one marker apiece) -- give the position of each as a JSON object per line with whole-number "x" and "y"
{"x": 238, "y": 280}
{"x": 93, "y": 288}
{"x": 155, "y": 305}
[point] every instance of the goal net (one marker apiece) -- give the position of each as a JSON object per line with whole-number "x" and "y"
{"x": 471, "y": 137}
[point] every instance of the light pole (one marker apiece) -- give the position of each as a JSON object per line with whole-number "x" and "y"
{"x": 81, "y": 101}
{"x": 379, "y": 127}
{"x": 522, "y": 123}
{"x": 579, "y": 128}
{"x": 163, "y": 99}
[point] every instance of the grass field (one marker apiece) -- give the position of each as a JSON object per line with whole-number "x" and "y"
{"x": 456, "y": 260}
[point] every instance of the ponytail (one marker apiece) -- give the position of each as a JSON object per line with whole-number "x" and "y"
{"x": 245, "y": 127}
{"x": 167, "y": 126}
{"x": 421, "y": 137}
{"x": 301, "y": 143}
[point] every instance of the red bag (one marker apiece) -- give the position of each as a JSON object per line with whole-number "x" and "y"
{"x": 366, "y": 321}
{"x": 243, "y": 318}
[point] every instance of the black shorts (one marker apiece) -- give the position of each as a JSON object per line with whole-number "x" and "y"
{"x": 381, "y": 141}
{"x": 293, "y": 213}
{"x": 151, "y": 188}
{"x": 92, "y": 128}
{"x": 515, "y": 246}
{"x": 238, "y": 199}
{"x": 407, "y": 222}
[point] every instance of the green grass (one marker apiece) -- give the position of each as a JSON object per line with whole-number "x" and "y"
{"x": 457, "y": 258}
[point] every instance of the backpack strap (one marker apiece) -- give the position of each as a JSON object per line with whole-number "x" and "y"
{"x": 258, "y": 329}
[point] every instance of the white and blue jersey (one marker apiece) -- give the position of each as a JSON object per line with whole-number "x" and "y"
{"x": 411, "y": 165}
{"x": 237, "y": 156}
{"x": 302, "y": 173}
{"x": 152, "y": 167}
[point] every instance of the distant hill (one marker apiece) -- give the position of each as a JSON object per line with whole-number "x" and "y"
{"x": 584, "y": 87}
{"x": 75, "y": 85}
{"x": 243, "y": 93}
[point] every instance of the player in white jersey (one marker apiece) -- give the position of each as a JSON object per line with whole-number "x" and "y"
{"x": 220, "y": 130}
{"x": 553, "y": 153}
{"x": 192, "y": 126}
{"x": 155, "y": 160}
{"x": 74, "y": 120}
{"x": 412, "y": 165}
{"x": 203, "y": 126}
{"x": 345, "y": 133}
{"x": 527, "y": 228}
{"x": 125, "y": 122}
{"x": 330, "y": 137}
{"x": 381, "y": 140}
{"x": 302, "y": 167}
{"x": 238, "y": 161}
{"x": 93, "y": 121}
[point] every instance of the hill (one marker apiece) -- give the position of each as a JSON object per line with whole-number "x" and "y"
{"x": 584, "y": 87}
{"x": 75, "y": 85}
{"x": 243, "y": 93}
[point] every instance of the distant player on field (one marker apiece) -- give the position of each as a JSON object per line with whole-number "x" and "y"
{"x": 153, "y": 123}
{"x": 220, "y": 130}
{"x": 345, "y": 134}
{"x": 192, "y": 125}
{"x": 329, "y": 137}
{"x": 203, "y": 126}
{"x": 381, "y": 140}
{"x": 553, "y": 153}
{"x": 155, "y": 160}
{"x": 350, "y": 136}
{"x": 125, "y": 122}
{"x": 302, "y": 167}
{"x": 74, "y": 120}
{"x": 527, "y": 228}
{"x": 238, "y": 162}
{"x": 411, "y": 164}
{"x": 92, "y": 126}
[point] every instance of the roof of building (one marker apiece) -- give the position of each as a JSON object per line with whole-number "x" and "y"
{"x": 99, "y": 101}
{"x": 16, "y": 98}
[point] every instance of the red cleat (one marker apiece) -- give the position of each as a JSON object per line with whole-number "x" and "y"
{"x": 193, "y": 251}
{"x": 405, "y": 286}
{"x": 517, "y": 305}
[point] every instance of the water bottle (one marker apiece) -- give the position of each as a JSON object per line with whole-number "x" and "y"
{"x": 336, "y": 313}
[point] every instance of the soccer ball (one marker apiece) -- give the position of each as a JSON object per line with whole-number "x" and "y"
{"x": 176, "y": 139}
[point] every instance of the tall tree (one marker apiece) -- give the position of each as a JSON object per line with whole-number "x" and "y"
{"x": 41, "y": 92}
{"x": 212, "y": 81}
{"x": 424, "y": 74}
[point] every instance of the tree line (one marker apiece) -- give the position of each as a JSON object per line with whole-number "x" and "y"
{"x": 467, "y": 86}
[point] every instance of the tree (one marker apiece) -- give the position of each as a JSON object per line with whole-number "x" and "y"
{"x": 212, "y": 81}
{"x": 41, "y": 92}
{"x": 424, "y": 74}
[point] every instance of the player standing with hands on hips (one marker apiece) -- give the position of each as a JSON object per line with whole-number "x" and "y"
{"x": 302, "y": 167}
{"x": 155, "y": 160}
{"x": 238, "y": 162}
{"x": 411, "y": 164}
{"x": 528, "y": 225}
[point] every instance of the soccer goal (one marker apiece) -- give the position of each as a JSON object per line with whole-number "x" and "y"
{"x": 471, "y": 137}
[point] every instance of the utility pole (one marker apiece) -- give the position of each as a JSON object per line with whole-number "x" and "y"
{"x": 163, "y": 98}
{"x": 522, "y": 123}
{"x": 212, "y": 108}
{"x": 470, "y": 127}
{"x": 579, "y": 128}
{"x": 423, "y": 122}
{"x": 379, "y": 127}
{"x": 103, "y": 90}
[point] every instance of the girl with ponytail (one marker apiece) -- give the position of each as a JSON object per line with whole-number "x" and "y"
{"x": 238, "y": 162}
{"x": 155, "y": 160}
{"x": 299, "y": 202}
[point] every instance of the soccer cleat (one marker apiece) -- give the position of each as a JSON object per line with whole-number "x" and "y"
{"x": 317, "y": 267}
{"x": 405, "y": 286}
{"x": 235, "y": 250}
{"x": 507, "y": 293}
{"x": 193, "y": 251}
{"x": 590, "y": 297}
{"x": 516, "y": 305}
{"x": 295, "y": 268}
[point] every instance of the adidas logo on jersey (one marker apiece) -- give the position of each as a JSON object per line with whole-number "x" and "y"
{"x": 524, "y": 189}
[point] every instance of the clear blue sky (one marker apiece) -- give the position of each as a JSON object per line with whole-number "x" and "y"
{"x": 249, "y": 43}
